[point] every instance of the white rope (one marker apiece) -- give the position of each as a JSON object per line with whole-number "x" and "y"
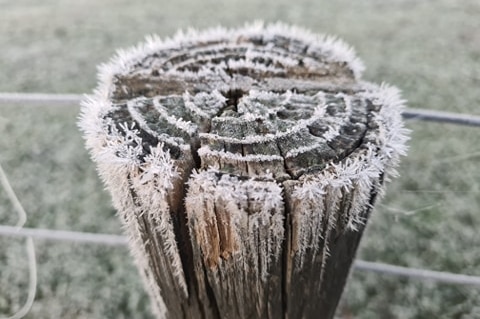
{"x": 74, "y": 99}
{"x": 117, "y": 240}
{"x": 32, "y": 261}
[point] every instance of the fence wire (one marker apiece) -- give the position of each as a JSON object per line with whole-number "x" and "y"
{"x": 32, "y": 260}
{"x": 64, "y": 235}
{"x": 42, "y": 99}
{"x": 118, "y": 240}
{"x": 62, "y": 100}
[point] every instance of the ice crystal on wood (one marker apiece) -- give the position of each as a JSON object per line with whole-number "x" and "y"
{"x": 244, "y": 165}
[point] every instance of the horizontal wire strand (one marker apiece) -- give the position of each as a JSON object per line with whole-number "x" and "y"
{"x": 441, "y": 117}
{"x": 64, "y": 235}
{"x": 40, "y": 98}
{"x": 74, "y": 99}
{"x": 118, "y": 240}
{"x": 423, "y": 274}
{"x": 361, "y": 265}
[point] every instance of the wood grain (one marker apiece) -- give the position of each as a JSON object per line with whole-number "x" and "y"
{"x": 244, "y": 165}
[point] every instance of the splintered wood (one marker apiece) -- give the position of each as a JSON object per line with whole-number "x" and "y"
{"x": 244, "y": 165}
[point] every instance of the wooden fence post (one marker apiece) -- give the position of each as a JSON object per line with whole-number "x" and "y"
{"x": 244, "y": 165}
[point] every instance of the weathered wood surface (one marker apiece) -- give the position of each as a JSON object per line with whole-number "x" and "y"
{"x": 244, "y": 165}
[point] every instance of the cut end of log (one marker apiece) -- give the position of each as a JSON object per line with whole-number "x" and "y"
{"x": 244, "y": 164}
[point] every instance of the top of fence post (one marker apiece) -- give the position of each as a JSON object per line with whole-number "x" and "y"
{"x": 244, "y": 164}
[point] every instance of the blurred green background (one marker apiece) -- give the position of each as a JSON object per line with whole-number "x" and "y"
{"x": 430, "y": 217}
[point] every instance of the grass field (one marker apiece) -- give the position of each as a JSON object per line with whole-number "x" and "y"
{"x": 430, "y": 217}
